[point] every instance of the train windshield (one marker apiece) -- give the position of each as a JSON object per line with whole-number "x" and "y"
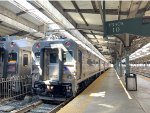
{"x": 12, "y": 57}
{"x": 53, "y": 57}
{"x": 37, "y": 55}
{"x": 2, "y": 39}
{"x": 67, "y": 56}
{"x": 2, "y": 52}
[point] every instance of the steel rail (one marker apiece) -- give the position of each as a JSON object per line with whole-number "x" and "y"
{"x": 55, "y": 109}
{"x": 27, "y": 108}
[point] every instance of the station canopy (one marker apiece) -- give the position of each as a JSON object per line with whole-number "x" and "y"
{"x": 83, "y": 21}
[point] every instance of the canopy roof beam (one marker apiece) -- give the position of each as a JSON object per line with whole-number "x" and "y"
{"x": 24, "y": 12}
{"x": 90, "y": 27}
{"x": 95, "y": 11}
{"x": 108, "y": 11}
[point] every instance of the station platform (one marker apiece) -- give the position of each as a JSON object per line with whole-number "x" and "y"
{"x": 107, "y": 94}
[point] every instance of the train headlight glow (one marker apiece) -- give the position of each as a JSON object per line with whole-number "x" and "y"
{"x": 69, "y": 87}
{"x": 52, "y": 87}
{"x": 35, "y": 85}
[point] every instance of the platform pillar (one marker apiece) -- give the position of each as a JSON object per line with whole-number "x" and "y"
{"x": 117, "y": 66}
{"x": 127, "y": 50}
{"x": 120, "y": 68}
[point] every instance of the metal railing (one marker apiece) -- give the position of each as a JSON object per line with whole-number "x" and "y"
{"x": 15, "y": 87}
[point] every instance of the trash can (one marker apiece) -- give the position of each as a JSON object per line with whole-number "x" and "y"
{"x": 131, "y": 81}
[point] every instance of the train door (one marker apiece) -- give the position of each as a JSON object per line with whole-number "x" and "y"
{"x": 80, "y": 63}
{"x": 2, "y": 53}
{"x": 53, "y": 61}
{"x": 26, "y": 63}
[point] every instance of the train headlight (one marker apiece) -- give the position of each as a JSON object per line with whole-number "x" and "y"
{"x": 36, "y": 85}
{"x": 69, "y": 87}
{"x": 50, "y": 87}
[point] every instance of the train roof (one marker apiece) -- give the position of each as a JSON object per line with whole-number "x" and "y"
{"x": 24, "y": 43}
{"x": 55, "y": 40}
{"x": 19, "y": 41}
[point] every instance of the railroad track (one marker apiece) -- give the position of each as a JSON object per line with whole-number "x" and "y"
{"x": 40, "y": 107}
{"x": 10, "y": 105}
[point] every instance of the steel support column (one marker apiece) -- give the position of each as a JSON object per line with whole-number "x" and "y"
{"x": 120, "y": 65}
{"x": 127, "y": 54}
{"x": 117, "y": 66}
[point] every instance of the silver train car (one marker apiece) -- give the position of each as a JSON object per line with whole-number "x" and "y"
{"x": 61, "y": 67}
{"x": 15, "y": 59}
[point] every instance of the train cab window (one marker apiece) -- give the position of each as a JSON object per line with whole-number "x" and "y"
{"x": 1, "y": 56}
{"x": 79, "y": 56}
{"x": 2, "y": 39}
{"x": 25, "y": 59}
{"x": 53, "y": 57}
{"x": 67, "y": 56}
{"x": 12, "y": 57}
{"x": 37, "y": 54}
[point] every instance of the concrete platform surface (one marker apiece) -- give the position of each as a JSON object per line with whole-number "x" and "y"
{"x": 107, "y": 94}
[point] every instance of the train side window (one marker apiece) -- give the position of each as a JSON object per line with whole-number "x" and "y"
{"x": 37, "y": 54}
{"x": 53, "y": 58}
{"x": 2, "y": 39}
{"x": 12, "y": 57}
{"x": 25, "y": 59}
{"x": 79, "y": 55}
{"x": 67, "y": 56}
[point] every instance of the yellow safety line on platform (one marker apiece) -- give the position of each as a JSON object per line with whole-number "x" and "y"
{"x": 123, "y": 86}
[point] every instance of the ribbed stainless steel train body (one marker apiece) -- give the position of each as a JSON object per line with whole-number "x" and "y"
{"x": 62, "y": 67}
{"x": 15, "y": 58}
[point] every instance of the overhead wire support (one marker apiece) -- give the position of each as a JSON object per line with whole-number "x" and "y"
{"x": 104, "y": 19}
{"x": 102, "y": 11}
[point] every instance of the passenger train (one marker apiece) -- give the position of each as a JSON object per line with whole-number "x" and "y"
{"x": 15, "y": 59}
{"x": 61, "y": 67}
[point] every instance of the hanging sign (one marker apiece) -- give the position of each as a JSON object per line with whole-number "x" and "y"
{"x": 136, "y": 26}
